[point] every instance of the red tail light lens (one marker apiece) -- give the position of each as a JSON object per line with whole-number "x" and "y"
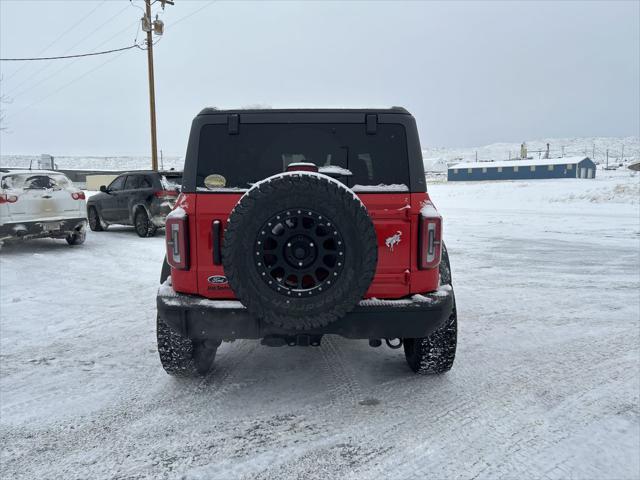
{"x": 6, "y": 198}
{"x": 302, "y": 167}
{"x": 78, "y": 195}
{"x": 177, "y": 237}
{"x": 166, "y": 194}
{"x": 430, "y": 243}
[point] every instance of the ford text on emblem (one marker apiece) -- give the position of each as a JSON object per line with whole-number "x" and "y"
{"x": 217, "y": 279}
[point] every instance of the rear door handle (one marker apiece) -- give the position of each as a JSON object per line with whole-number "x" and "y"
{"x": 216, "y": 227}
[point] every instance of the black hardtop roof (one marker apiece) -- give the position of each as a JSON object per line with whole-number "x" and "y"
{"x": 216, "y": 111}
{"x": 233, "y": 119}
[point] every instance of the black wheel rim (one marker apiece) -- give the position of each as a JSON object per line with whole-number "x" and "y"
{"x": 299, "y": 253}
{"x": 93, "y": 219}
{"x": 141, "y": 223}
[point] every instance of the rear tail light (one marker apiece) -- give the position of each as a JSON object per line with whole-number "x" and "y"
{"x": 6, "y": 198}
{"x": 167, "y": 194}
{"x": 177, "y": 236}
{"x": 302, "y": 167}
{"x": 430, "y": 243}
{"x": 78, "y": 195}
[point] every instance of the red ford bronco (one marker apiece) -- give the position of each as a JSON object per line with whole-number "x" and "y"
{"x": 293, "y": 224}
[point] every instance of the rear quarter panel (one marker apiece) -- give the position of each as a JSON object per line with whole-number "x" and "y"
{"x": 392, "y": 221}
{"x": 395, "y": 218}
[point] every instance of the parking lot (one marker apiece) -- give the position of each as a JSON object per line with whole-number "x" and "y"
{"x": 545, "y": 384}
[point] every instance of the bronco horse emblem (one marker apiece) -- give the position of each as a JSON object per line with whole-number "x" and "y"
{"x": 393, "y": 240}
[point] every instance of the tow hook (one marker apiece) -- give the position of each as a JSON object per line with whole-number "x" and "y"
{"x": 391, "y": 345}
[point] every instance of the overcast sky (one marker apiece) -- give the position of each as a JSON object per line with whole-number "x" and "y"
{"x": 472, "y": 73}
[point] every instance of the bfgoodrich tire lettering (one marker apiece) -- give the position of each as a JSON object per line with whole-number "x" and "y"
{"x": 323, "y": 197}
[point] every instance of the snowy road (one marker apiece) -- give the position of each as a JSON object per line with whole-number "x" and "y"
{"x": 545, "y": 384}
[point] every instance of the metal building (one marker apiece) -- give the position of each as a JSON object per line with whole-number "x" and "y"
{"x": 526, "y": 169}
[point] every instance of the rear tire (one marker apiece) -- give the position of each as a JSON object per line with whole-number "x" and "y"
{"x": 95, "y": 224}
{"x": 437, "y": 352}
{"x": 181, "y": 356}
{"x": 142, "y": 224}
{"x": 76, "y": 238}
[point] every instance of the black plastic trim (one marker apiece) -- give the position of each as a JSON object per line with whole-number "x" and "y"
{"x": 192, "y": 317}
{"x": 233, "y": 121}
{"x": 215, "y": 242}
{"x": 372, "y": 123}
{"x": 35, "y": 229}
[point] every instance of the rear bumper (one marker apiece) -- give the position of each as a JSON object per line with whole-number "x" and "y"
{"x": 41, "y": 228}
{"x": 200, "y": 318}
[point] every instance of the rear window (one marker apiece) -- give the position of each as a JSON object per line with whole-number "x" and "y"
{"x": 35, "y": 181}
{"x": 261, "y": 150}
{"x": 171, "y": 182}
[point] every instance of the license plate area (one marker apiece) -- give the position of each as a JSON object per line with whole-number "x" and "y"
{"x": 51, "y": 226}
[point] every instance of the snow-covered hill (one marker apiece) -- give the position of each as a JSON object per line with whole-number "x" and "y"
{"x": 88, "y": 162}
{"x": 436, "y": 159}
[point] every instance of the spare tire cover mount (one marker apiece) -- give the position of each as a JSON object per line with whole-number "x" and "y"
{"x": 299, "y": 270}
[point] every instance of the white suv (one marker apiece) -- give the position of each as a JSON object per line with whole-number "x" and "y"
{"x": 41, "y": 203}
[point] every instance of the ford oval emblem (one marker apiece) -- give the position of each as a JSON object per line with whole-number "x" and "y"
{"x": 217, "y": 279}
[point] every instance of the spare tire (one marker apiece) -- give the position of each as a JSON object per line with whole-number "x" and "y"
{"x": 299, "y": 250}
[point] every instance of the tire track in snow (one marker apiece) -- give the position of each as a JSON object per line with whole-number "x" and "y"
{"x": 118, "y": 422}
{"x": 499, "y": 441}
{"x": 340, "y": 379}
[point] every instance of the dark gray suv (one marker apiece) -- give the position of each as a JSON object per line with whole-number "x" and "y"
{"x": 142, "y": 199}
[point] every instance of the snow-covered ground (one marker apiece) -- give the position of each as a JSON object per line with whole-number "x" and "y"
{"x": 545, "y": 385}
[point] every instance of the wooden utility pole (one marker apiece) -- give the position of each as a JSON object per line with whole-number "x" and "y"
{"x": 152, "y": 91}
{"x": 150, "y": 27}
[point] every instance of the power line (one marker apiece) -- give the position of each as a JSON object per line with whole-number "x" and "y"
{"x": 69, "y": 56}
{"x": 66, "y": 66}
{"x": 192, "y": 13}
{"x": 66, "y": 85}
{"x": 59, "y": 37}
{"x": 46, "y": 65}
{"x": 92, "y": 32}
